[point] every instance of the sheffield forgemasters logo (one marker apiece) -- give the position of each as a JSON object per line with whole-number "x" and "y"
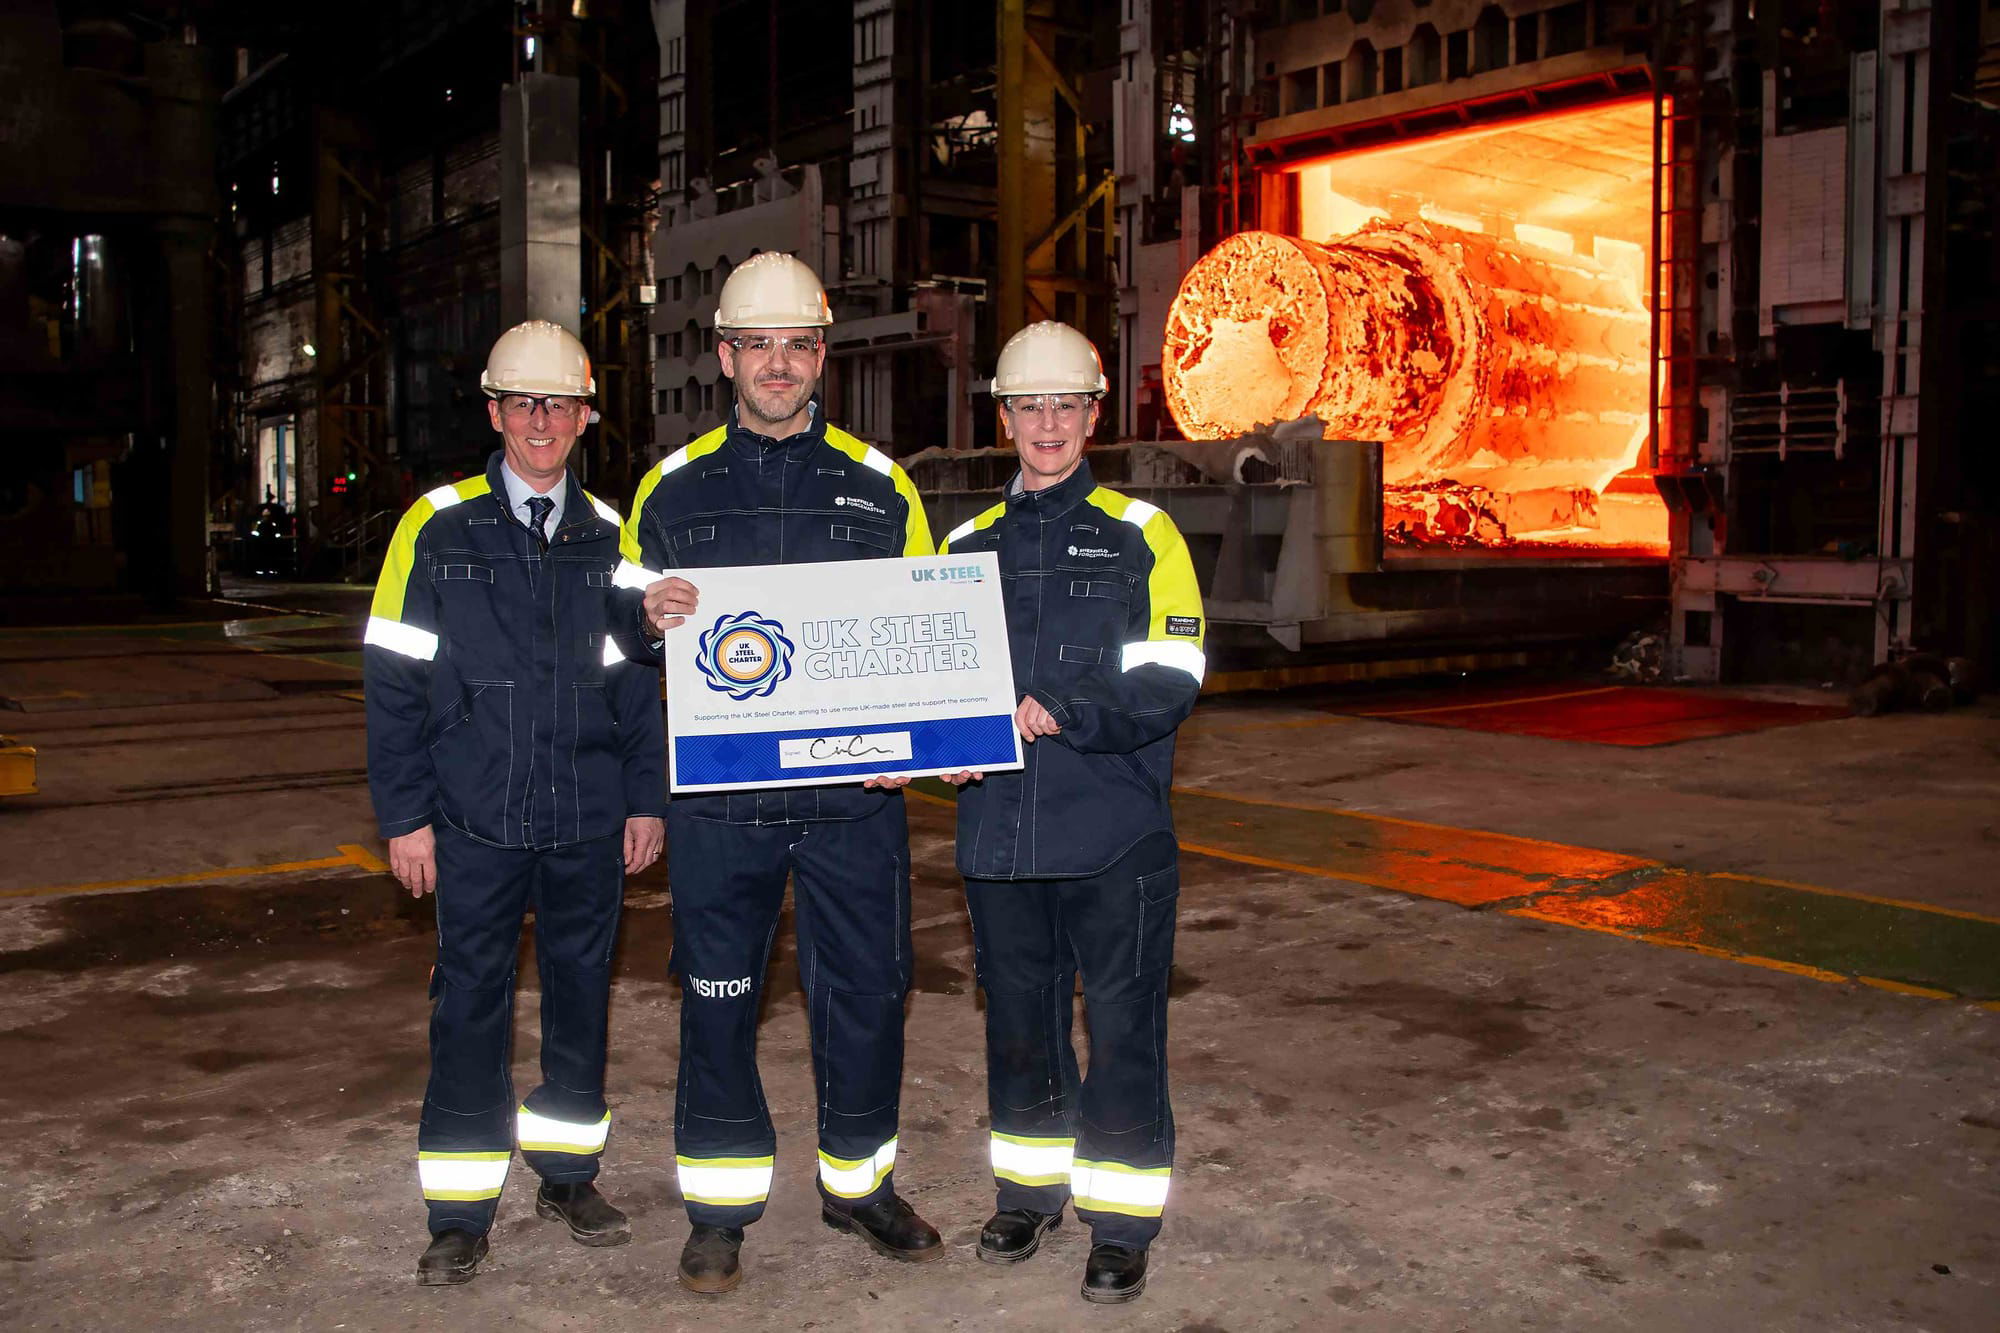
{"x": 745, "y": 655}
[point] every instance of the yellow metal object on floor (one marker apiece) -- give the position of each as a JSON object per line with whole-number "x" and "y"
{"x": 17, "y": 768}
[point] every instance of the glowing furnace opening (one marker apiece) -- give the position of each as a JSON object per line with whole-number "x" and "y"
{"x": 1477, "y": 301}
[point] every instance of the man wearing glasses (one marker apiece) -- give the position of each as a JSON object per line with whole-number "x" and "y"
{"x": 1070, "y": 864}
{"x": 514, "y": 758}
{"x": 778, "y": 485}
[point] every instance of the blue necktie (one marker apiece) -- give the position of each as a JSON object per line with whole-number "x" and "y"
{"x": 541, "y": 507}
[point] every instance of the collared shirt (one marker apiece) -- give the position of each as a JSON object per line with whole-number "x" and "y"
{"x": 518, "y": 492}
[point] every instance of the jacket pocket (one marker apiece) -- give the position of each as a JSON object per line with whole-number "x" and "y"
{"x": 1071, "y": 652}
{"x": 864, "y": 534}
{"x": 689, "y": 536}
{"x": 474, "y": 759}
{"x": 1158, "y": 905}
{"x": 1109, "y": 589}
{"x": 453, "y": 572}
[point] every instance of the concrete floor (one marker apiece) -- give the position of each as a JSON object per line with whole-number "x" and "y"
{"x": 1396, "y": 1111}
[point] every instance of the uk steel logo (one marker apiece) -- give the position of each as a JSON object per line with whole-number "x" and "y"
{"x": 948, "y": 574}
{"x": 744, "y": 656}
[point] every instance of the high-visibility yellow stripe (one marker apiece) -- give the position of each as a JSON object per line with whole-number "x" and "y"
{"x": 628, "y": 535}
{"x": 858, "y": 1177}
{"x": 984, "y": 519}
{"x": 1171, "y": 589}
{"x": 462, "y": 1176}
{"x": 917, "y": 530}
{"x": 541, "y": 1133}
{"x": 724, "y": 1181}
{"x": 400, "y": 561}
{"x": 1113, "y": 1187}
{"x": 1031, "y": 1161}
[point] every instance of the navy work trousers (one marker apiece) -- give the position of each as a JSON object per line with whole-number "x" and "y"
{"x": 851, "y": 896}
{"x": 1105, "y": 1142}
{"x": 471, "y": 1121}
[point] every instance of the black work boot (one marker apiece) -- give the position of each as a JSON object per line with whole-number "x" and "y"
{"x": 1115, "y": 1274}
{"x": 591, "y": 1218}
{"x": 708, "y": 1260}
{"x": 453, "y": 1257}
{"x": 1013, "y": 1234}
{"x": 891, "y": 1226}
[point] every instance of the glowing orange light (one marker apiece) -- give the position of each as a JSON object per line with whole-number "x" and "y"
{"x": 1474, "y": 301}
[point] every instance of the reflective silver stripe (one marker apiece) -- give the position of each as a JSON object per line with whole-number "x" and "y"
{"x": 1120, "y": 1188}
{"x": 677, "y": 459}
{"x": 1139, "y": 513}
{"x": 855, "y": 1178}
{"x": 629, "y": 575}
{"x": 1181, "y": 656}
{"x": 542, "y": 1133}
{"x": 604, "y": 511}
{"x": 400, "y": 638}
{"x": 462, "y": 1175}
{"x": 877, "y": 460}
{"x": 444, "y": 497}
{"x": 724, "y": 1181}
{"x": 1029, "y": 1161}
{"x": 612, "y": 657}
{"x": 960, "y": 530}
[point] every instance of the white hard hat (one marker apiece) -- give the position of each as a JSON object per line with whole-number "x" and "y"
{"x": 539, "y": 358}
{"x": 1048, "y": 358}
{"x": 772, "y": 291}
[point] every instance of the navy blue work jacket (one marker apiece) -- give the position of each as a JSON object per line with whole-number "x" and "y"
{"x": 499, "y": 699}
{"x": 1104, "y": 618}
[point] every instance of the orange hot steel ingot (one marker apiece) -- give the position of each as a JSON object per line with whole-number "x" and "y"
{"x": 1473, "y": 358}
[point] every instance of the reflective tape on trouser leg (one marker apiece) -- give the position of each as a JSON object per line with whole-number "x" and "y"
{"x": 541, "y": 1133}
{"x": 725, "y": 1182}
{"x": 1027, "y": 1160}
{"x": 857, "y": 1177}
{"x": 462, "y": 1176}
{"x": 1112, "y": 1187}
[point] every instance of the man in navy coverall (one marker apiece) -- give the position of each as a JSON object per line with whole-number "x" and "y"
{"x": 778, "y": 485}
{"x": 515, "y": 760}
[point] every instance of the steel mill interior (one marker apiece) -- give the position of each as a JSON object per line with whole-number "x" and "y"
{"x": 1579, "y": 416}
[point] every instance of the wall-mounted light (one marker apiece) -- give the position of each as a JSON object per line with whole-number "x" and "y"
{"x": 309, "y": 349}
{"x": 529, "y": 47}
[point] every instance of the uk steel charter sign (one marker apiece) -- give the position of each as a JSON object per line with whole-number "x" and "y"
{"x": 812, "y": 674}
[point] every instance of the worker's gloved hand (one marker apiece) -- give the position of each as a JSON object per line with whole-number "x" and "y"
{"x": 413, "y": 859}
{"x": 645, "y": 835}
{"x": 1032, "y": 720}
{"x": 669, "y": 602}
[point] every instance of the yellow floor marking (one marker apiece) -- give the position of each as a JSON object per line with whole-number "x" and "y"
{"x": 1495, "y": 703}
{"x": 1905, "y": 988}
{"x": 194, "y": 876}
{"x": 364, "y": 858}
{"x": 1755, "y": 960}
{"x": 1858, "y": 897}
{"x": 1319, "y": 872}
{"x": 1639, "y": 862}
